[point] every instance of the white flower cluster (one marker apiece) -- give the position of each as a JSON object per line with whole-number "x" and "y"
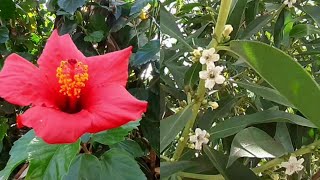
{"x": 212, "y": 73}
{"x": 200, "y": 137}
{"x": 293, "y": 165}
{"x": 289, "y": 3}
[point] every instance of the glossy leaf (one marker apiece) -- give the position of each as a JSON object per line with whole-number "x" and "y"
{"x": 168, "y": 26}
{"x": 70, "y": 6}
{"x": 236, "y": 171}
{"x": 130, "y": 146}
{"x": 115, "y": 135}
{"x": 283, "y": 136}
{"x": 302, "y": 30}
{"x": 49, "y": 161}
{"x": 313, "y": 12}
{"x": 235, "y": 124}
{"x": 84, "y": 166}
{"x": 253, "y": 142}
{"x": 266, "y": 93}
{"x": 7, "y": 9}
{"x": 295, "y": 84}
{"x": 4, "y": 34}
{"x": 169, "y": 168}
{"x": 94, "y": 37}
{"x": 146, "y": 53}
{"x": 138, "y": 6}
{"x": 192, "y": 75}
{"x": 172, "y": 125}
{"x": 255, "y": 26}
{"x": 114, "y": 162}
{"x": 18, "y": 154}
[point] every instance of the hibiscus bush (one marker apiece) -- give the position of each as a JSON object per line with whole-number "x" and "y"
{"x": 79, "y": 88}
{"x": 240, "y": 89}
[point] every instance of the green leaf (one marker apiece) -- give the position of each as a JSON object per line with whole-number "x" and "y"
{"x": 115, "y": 135}
{"x": 7, "y": 9}
{"x": 313, "y": 12}
{"x": 49, "y": 161}
{"x": 266, "y": 93}
{"x": 253, "y": 142}
{"x": 169, "y": 168}
{"x": 172, "y": 125}
{"x": 168, "y": 26}
{"x": 302, "y": 30}
{"x": 70, "y": 5}
{"x": 192, "y": 75}
{"x": 236, "y": 15}
{"x": 284, "y": 74}
{"x": 4, "y": 34}
{"x": 130, "y": 146}
{"x": 146, "y": 53}
{"x": 18, "y": 154}
{"x": 255, "y": 26}
{"x": 235, "y": 124}
{"x": 178, "y": 71}
{"x": 283, "y": 136}
{"x": 94, "y": 37}
{"x": 235, "y": 171}
{"x": 67, "y": 27}
{"x": 139, "y": 5}
{"x": 117, "y": 164}
{"x": 84, "y": 166}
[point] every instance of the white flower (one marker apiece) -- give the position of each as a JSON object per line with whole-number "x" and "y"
{"x": 209, "y": 55}
{"x": 293, "y": 165}
{"x": 201, "y": 137}
{"x": 227, "y": 30}
{"x": 289, "y": 3}
{"x": 212, "y": 76}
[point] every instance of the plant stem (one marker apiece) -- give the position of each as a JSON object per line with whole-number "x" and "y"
{"x": 271, "y": 164}
{"x": 222, "y": 18}
{"x": 221, "y": 22}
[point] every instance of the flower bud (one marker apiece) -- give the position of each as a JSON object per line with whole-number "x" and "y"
{"x": 227, "y": 30}
{"x": 213, "y": 105}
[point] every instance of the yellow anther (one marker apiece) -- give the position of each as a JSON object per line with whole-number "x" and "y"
{"x": 72, "y": 76}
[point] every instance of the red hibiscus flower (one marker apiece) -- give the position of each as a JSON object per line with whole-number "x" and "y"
{"x": 70, "y": 94}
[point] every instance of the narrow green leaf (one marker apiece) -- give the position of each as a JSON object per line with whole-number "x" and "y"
{"x": 172, "y": 125}
{"x": 255, "y": 26}
{"x": 313, "y": 12}
{"x": 283, "y": 136}
{"x": 49, "y": 161}
{"x": 236, "y": 15}
{"x": 253, "y": 142}
{"x": 235, "y": 171}
{"x": 284, "y": 74}
{"x": 266, "y": 93}
{"x": 192, "y": 75}
{"x": 169, "y": 168}
{"x": 235, "y": 124}
{"x": 84, "y": 167}
{"x": 302, "y": 30}
{"x": 168, "y": 26}
{"x": 120, "y": 165}
{"x": 18, "y": 154}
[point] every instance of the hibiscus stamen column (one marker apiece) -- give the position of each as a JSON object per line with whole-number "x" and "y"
{"x": 221, "y": 22}
{"x": 72, "y": 76}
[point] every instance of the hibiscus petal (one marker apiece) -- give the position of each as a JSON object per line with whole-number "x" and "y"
{"x": 55, "y": 126}
{"x": 57, "y": 48}
{"x": 112, "y": 106}
{"x": 21, "y": 83}
{"x": 109, "y": 68}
